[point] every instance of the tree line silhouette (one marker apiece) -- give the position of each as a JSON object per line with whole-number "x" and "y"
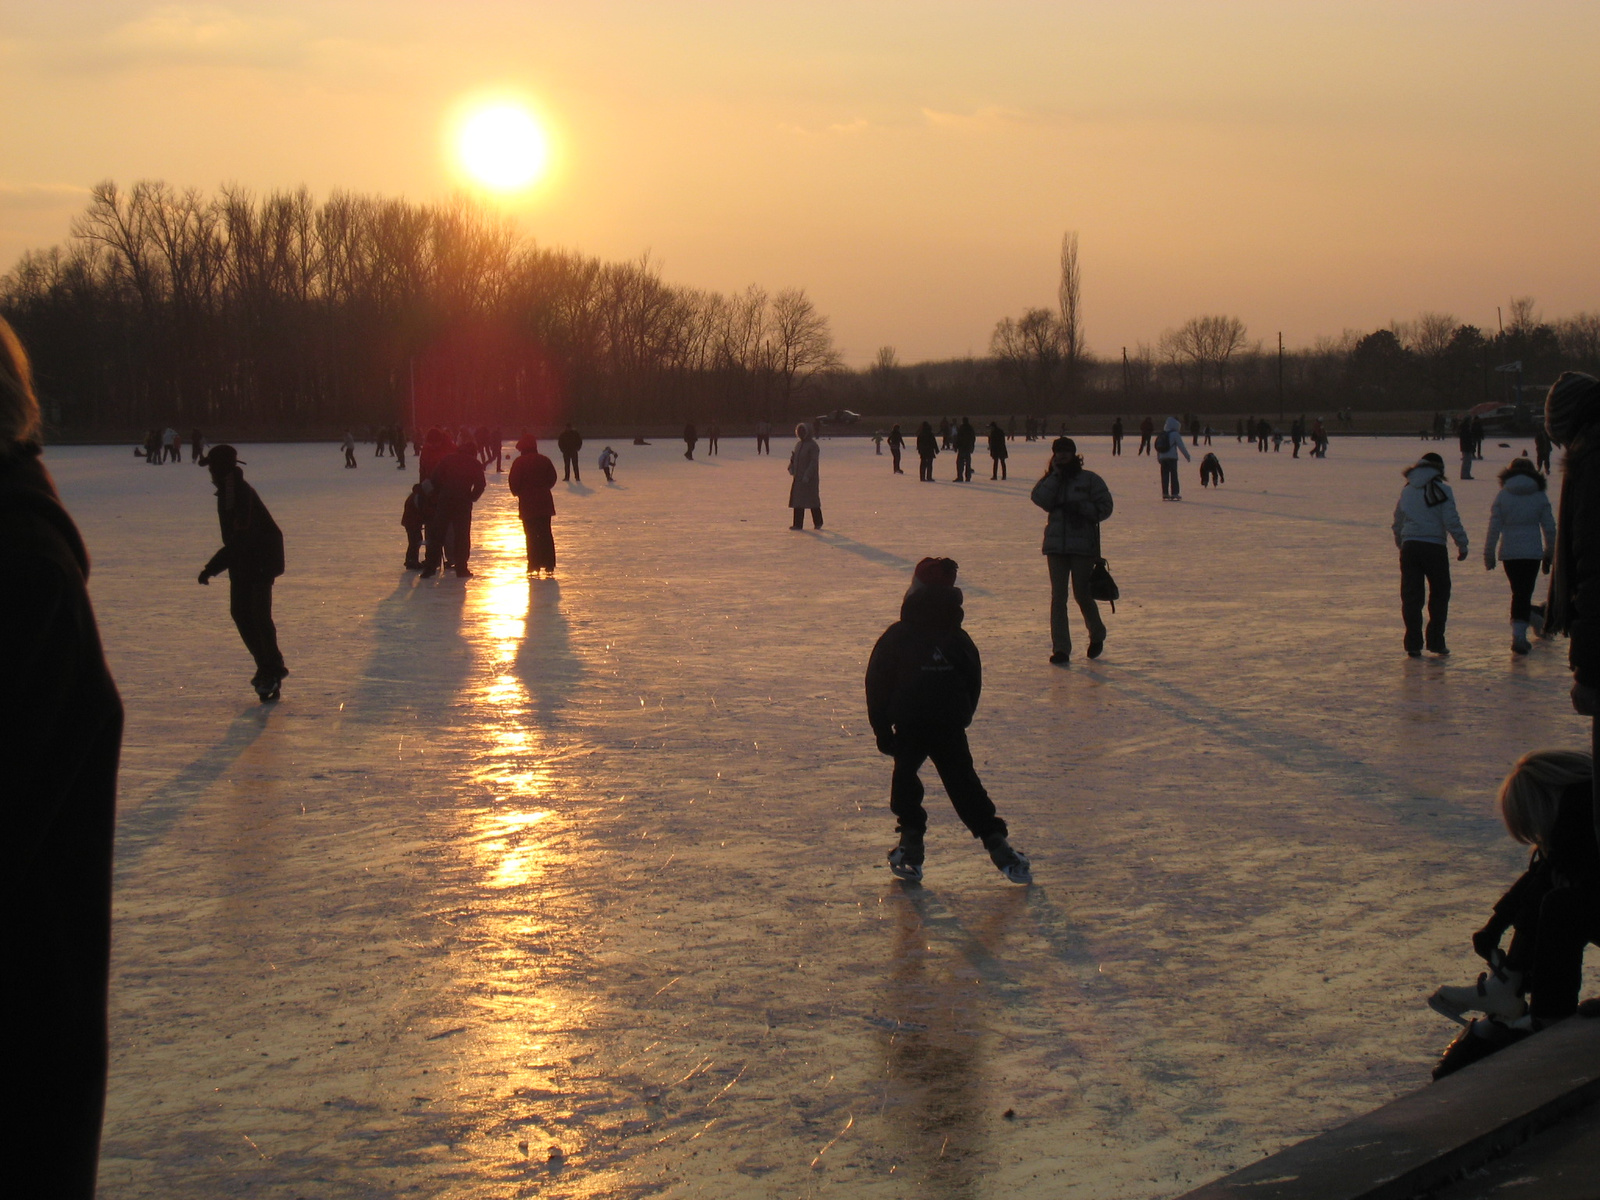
{"x": 280, "y": 314}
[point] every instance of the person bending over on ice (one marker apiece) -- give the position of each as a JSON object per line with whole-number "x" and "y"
{"x": 608, "y": 463}
{"x": 1522, "y": 525}
{"x": 252, "y": 555}
{"x": 923, "y": 683}
{"x": 1077, "y": 501}
{"x": 1211, "y": 471}
{"x": 1553, "y": 911}
{"x": 1424, "y": 517}
{"x": 531, "y": 480}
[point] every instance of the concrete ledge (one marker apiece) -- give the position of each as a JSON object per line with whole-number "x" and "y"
{"x": 1422, "y": 1141}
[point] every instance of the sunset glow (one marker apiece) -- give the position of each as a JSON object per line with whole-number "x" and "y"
{"x": 503, "y": 148}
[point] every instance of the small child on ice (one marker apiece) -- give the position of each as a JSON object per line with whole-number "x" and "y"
{"x": 1211, "y": 471}
{"x": 608, "y": 462}
{"x": 923, "y": 683}
{"x": 413, "y": 517}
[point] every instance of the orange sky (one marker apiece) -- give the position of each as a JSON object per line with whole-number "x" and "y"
{"x": 1306, "y": 166}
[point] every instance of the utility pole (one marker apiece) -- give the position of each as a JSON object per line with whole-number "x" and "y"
{"x": 1280, "y": 376}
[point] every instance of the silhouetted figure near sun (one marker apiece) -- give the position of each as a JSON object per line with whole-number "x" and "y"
{"x": 569, "y": 443}
{"x": 532, "y": 476}
{"x": 62, "y": 723}
{"x": 252, "y": 555}
{"x": 435, "y": 448}
{"x": 413, "y": 517}
{"x": 457, "y": 482}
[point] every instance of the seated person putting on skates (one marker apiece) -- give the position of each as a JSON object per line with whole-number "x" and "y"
{"x": 923, "y": 683}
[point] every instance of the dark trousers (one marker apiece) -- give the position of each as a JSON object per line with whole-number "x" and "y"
{"x": 952, "y": 758}
{"x": 925, "y": 471}
{"x": 569, "y": 467}
{"x": 450, "y": 536}
{"x": 763, "y": 443}
{"x": 1424, "y": 568}
{"x": 413, "y": 545}
{"x": 1523, "y": 574}
{"x": 1549, "y": 949}
{"x": 1116, "y": 444}
{"x": 250, "y": 604}
{"x": 800, "y": 518}
{"x": 1144, "y": 443}
{"x": 711, "y": 445}
{"x": 1169, "y": 476}
{"x": 894, "y": 454}
{"x": 541, "y": 543}
{"x": 1070, "y": 573}
{"x": 999, "y": 471}
{"x": 349, "y": 456}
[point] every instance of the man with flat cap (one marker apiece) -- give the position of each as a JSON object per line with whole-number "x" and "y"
{"x": 252, "y": 555}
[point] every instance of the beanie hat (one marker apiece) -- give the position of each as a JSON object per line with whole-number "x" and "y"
{"x": 1431, "y": 459}
{"x": 1573, "y": 401}
{"x": 1063, "y": 445}
{"x": 528, "y": 444}
{"x": 935, "y": 570}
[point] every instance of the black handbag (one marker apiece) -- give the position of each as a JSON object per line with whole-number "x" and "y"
{"x": 1102, "y": 586}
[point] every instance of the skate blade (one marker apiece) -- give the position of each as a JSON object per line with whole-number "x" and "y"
{"x": 1445, "y": 1009}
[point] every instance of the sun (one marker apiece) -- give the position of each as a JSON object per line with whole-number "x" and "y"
{"x": 503, "y": 147}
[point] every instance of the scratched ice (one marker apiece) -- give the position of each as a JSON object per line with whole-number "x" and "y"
{"x": 578, "y": 888}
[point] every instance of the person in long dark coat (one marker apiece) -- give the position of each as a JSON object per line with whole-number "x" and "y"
{"x": 457, "y": 482}
{"x": 998, "y": 453}
{"x": 691, "y": 436}
{"x": 61, "y": 734}
{"x": 252, "y": 555}
{"x": 805, "y": 492}
{"x": 532, "y": 476}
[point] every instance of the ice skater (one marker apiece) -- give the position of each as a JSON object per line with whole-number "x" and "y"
{"x": 1524, "y": 528}
{"x": 923, "y": 682}
{"x": 413, "y": 517}
{"x": 349, "y": 445}
{"x": 713, "y": 437}
{"x": 1077, "y": 501}
{"x": 1424, "y": 518}
{"x": 1553, "y": 911}
{"x": 457, "y": 482}
{"x": 252, "y": 555}
{"x": 1116, "y": 438}
{"x": 1169, "y": 444}
{"x": 805, "y": 492}
{"x": 997, "y": 451}
{"x": 63, "y": 735}
{"x": 966, "y": 441}
{"x": 1211, "y": 471}
{"x": 1468, "y": 442}
{"x": 1147, "y": 429}
{"x": 897, "y": 445}
{"x": 569, "y": 443}
{"x": 764, "y": 437}
{"x": 690, "y": 437}
{"x": 927, "y": 451}
{"x": 531, "y": 480}
{"x": 608, "y": 464}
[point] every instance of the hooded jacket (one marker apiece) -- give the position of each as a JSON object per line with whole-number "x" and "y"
{"x": 1521, "y": 520}
{"x": 532, "y": 477}
{"x": 924, "y": 672}
{"x": 1426, "y": 511}
{"x": 1077, "y": 503}
{"x": 1175, "y": 446}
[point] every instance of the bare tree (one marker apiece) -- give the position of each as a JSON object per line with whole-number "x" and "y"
{"x": 1069, "y": 328}
{"x": 1203, "y": 343}
{"x": 1028, "y": 350}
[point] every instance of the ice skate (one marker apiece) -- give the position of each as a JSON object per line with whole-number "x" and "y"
{"x": 1496, "y": 994}
{"x": 1013, "y": 864}
{"x": 905, "y": 860}
{"x": 1519, "y": 638}
{"x": 1096, "y": 645}
{"x": 1476, "y": 1042}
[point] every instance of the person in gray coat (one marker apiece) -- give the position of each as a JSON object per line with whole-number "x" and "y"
{"x": 1521, "y": 522}
{"x": 1423, "y": 520}
{"x": 1077, "y": 501}
{"x": 805, "y": 491}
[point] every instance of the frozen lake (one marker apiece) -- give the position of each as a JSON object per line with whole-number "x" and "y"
{"x": 578, "y": 888}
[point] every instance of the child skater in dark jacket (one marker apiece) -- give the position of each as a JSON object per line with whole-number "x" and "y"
{"x": 1210, "y": 471}
{"x": 413, "y": 517}
{"x": 923, "y": 682}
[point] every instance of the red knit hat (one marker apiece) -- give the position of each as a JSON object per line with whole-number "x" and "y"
{"x": 935, "y": 570}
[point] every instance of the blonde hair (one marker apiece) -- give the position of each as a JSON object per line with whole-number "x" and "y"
{"x": 19, "y": 407}
{"x": 1531, "y": 795}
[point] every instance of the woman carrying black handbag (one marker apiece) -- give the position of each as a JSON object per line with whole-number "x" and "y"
{"x": 1077, "y": 501}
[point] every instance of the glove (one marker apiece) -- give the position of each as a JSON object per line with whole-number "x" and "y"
{"x": 1462, "y": 557}
{"x": 886, "y": 744}
{"x": 205, "y": 578}
{"x": 1488, "y": 564}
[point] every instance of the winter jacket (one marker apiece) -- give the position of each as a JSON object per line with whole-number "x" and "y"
{"x": 1521, "y": 520}
{"x": 1574, "y": 607}
{"x": 415, "y": 513}
{"x": 1174, "y": 431}
{"x": 927, "y": 444}
{"x": 1426, "y": 511}
{"x": 966, "y": 438}
{"x": 251, "y": 539}
{"x": 570, "y": 442}
{"x": 1468, "y": 439}
{"x": 997, "y": 443}
{"x": 806, "y": 490}
{"x": 924, "y": 672}
{"x": 459, "y": 480}
{"x": 531, "y": 478}
{"x": 1077, "y": 503}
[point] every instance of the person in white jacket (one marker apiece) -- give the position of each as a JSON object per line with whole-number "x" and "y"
{"x": 1521, "y": 522}
{"x": 1424, "y": 519}
{"x": 1169, "y": 444}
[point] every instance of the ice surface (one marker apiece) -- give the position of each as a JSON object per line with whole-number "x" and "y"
{"x": 599, "y": 864}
